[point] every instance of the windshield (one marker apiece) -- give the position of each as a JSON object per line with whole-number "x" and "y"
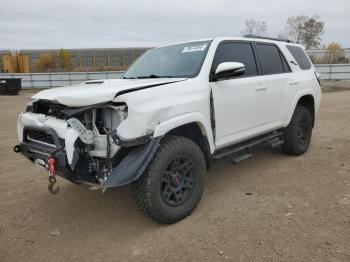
{"x": 181, "y": 60}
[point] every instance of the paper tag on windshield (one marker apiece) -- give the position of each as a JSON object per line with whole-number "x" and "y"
{"x": 194, "y": 48}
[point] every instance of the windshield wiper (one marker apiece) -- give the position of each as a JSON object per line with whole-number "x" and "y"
{"x": 153, "y": 76}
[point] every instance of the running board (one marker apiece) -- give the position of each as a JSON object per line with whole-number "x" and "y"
{"x": 242, "y": 150}
{"x": 236, "y": 158}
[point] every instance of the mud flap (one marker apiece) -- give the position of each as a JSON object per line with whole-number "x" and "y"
{"x": 133, "y": 165}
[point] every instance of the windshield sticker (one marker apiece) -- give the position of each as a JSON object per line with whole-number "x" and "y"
{"x": 194, "y": 48}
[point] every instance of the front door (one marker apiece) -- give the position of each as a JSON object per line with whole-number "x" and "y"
{"x": 240, "y": 104}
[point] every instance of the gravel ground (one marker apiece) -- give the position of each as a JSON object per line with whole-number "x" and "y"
{"x": 271, "y": 207}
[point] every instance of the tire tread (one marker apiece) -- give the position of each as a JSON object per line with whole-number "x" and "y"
{"x": 290, "y": 145}
{"x": 141, "y": 187}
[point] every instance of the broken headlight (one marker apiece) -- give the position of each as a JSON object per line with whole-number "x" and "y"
{"x": 110, "y": 117}
{"x": 29, "y": 106}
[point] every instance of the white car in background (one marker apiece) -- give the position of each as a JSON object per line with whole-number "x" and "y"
{"x": 175, "y": 109}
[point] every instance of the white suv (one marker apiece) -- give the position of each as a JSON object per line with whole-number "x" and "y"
{"x": 175, "y": 109}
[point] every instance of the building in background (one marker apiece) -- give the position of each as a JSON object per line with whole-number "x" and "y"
{"x": 15, "y": 63}
{"x": 2, "y": 53}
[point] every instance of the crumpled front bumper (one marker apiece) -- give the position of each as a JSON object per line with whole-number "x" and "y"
{"x": 74, "y": 166}
{"x": 36, "y": 151}
{"x": 62, "y": 134}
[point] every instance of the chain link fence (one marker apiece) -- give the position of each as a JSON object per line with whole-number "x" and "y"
{"x": 322, "y": 56}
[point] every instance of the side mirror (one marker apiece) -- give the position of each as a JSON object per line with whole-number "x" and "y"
{"x": 228, "y": 69}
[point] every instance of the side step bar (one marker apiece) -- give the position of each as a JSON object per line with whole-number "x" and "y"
{"x": 243, "y": 150}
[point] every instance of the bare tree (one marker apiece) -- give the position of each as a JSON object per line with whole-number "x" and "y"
{"x": 253, "y": 27}
{"x": 305, "y": 30}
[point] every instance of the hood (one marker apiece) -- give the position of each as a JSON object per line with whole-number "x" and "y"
{"x": 98, "y": 91}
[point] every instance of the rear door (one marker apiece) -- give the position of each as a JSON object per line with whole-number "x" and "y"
{"x": 276, "y": 75}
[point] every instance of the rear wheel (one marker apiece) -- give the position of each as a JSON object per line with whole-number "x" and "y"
{"x": 172, "y": 186}
{"x": 297, "y": 135}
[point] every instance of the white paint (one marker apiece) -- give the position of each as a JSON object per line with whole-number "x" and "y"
{"x": 228, "y": 66}
{"x": 29, "y": 119}
{"x": 71, "y": 137}
{"x": 180, "y": 120}
{"x": 94, "y": 93}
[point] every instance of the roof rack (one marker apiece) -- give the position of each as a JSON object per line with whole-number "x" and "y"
{"x": 268, "y": 38}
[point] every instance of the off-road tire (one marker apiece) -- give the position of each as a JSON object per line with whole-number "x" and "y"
{"x": 151, "y": 193}
{"x": 297, "y": 135}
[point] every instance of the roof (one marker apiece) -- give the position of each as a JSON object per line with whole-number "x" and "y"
{"x": 244, "y": 38}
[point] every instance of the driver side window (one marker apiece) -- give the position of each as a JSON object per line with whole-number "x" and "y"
{"x": 236, "y": 52}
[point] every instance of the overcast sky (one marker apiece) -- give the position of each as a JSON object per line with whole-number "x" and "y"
{"x": 113, "y": 23}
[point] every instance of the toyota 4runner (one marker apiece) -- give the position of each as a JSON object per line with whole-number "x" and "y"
{"x": 174, "y": 110}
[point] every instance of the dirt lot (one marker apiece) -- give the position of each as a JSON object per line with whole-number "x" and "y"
{"x": 298, "y": 209}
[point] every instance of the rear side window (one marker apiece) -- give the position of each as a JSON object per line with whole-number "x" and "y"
{"x": 300, "y": 56}
{"x": 236, "y": 52}
{"x": 270, "y": 59}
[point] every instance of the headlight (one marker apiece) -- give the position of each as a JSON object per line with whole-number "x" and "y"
{"x": 123, "y": 111}
{"x": 110, "y": 117}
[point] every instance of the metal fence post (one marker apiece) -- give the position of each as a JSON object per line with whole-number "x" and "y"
{"x": 31, "y": 80}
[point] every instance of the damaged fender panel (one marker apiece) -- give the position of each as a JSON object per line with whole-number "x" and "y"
{"x": 165, "y": 108}
{"x": 123, "y": 142}
{"x": 133, "y": 165}
{"x": 183, "y": 119}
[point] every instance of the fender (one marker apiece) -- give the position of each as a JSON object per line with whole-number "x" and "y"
{"x": 295, "y": 102}
{"x": 134, "y": 164}
{"x": 195, "y": 117}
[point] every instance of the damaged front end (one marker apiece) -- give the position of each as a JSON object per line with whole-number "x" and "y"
{"x": 84, "y": 143}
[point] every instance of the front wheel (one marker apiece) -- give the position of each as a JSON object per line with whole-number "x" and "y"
{"x": 172, "y": 185}
{"x": 297, "y": 135}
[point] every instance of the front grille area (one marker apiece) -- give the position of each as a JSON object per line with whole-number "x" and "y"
{"x": 40, "y": 136}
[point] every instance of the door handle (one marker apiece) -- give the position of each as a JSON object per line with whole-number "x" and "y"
{"x": 260, "y": 87}
{"x": 293, "y": 83}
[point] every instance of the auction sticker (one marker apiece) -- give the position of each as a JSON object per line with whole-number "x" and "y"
{"x": 194, "y": 48}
